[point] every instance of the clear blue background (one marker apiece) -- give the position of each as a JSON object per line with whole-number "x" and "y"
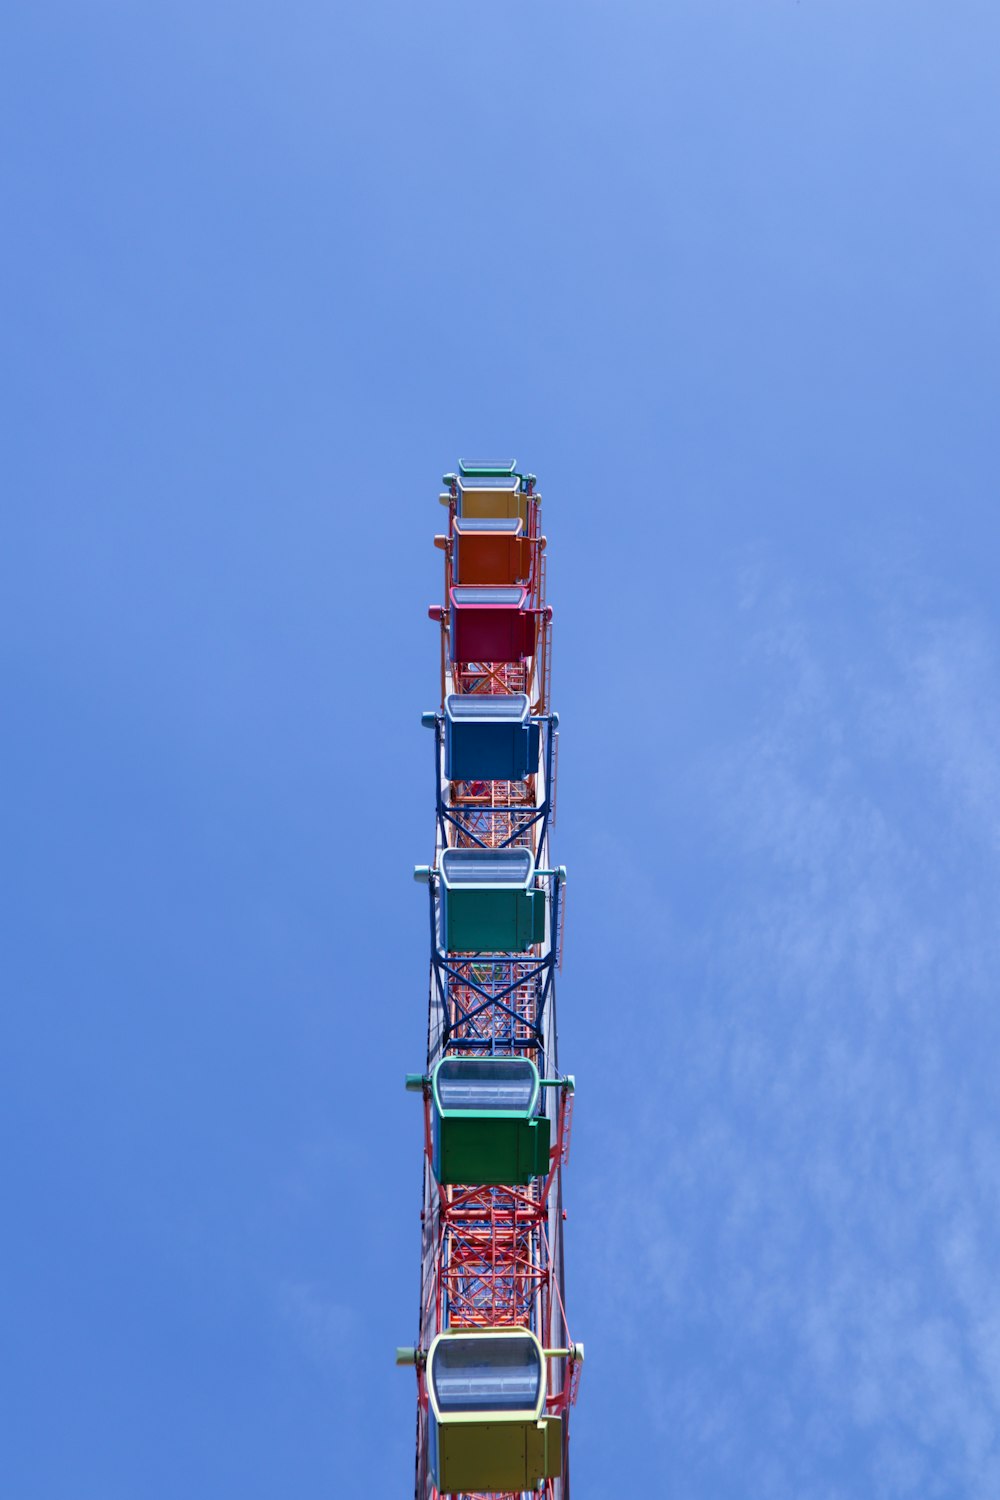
{"x": 723, "y": 273}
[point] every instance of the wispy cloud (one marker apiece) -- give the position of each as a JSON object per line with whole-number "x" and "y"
{"x": 809, "y": 1210}
{"x": 320, "y": 1325}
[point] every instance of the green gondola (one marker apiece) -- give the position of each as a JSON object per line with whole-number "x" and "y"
{"x": 486, "y": 1131}
{"x": 488, "y": 901}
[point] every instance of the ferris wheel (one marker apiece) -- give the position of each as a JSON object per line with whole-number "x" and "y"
{"x": 497, "y": 1371}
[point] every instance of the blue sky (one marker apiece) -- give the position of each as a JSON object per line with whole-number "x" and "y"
{"x": 724, "y": 276}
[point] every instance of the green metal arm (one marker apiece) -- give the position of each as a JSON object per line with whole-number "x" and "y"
{"x": 407, "y": 1355}
{"x": 574, "y": 1352}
